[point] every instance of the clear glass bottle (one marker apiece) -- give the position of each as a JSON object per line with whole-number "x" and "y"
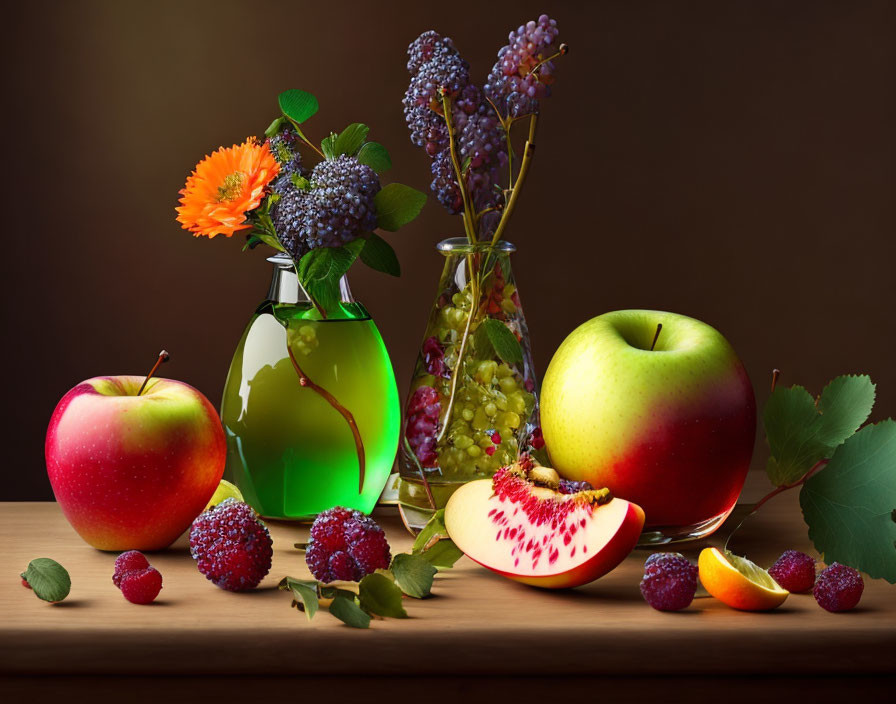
{"x": 472, "y": 405}
{"x": 310, "y": 406}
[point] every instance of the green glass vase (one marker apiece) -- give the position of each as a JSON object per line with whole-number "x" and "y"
{"x": 310, "y": 407}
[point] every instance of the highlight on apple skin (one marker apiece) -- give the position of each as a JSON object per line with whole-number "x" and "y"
{"x": 130, "y": 471}
{"x": 669, "y": 426}
{"x": 532, "y": 533}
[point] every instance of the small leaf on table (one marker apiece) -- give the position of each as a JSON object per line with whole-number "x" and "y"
{"x": 304, "y": 592}
{"x": 346, "y": 610}
{"x": 443, "y": 554}
{"x": 49, "y": 580}
{"x": 379, "y": 595}
{"x": 849, "y": 505}
{"x": 433, "y": 530}
{"x": 413, "y": 574}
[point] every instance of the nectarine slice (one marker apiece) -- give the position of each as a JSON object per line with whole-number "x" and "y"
{"x": 538, "y": 536}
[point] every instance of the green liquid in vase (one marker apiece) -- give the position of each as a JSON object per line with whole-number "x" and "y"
{"x": 290, "y": 452}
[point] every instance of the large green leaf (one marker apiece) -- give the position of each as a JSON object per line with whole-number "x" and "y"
{"x": 850, "y": 505}
{"x": 396, "y": 205}
{"x": 320, "y": 269}
{"x": 376, "y": 156}
{"x": 297, "y": 105}
{"x": 351, "y": 138}
{"x": 379, "y": 255}
{"x": 503, "y": 341}
{"x": 801, "y": 432}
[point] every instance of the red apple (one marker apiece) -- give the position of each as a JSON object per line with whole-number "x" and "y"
{"x": 518, "y": 525}
{"x": 131, "y": 471}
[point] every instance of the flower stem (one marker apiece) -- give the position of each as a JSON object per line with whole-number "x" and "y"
{"x": 461, "y": 184}
{"x": 521, "y": 177}
{"x": 343, "y": 411}
{"x": 458, "y": 368}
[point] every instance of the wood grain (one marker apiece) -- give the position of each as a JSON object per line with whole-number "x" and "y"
{"x": 477, "y": 622}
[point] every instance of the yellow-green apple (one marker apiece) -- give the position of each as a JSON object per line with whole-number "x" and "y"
{"x": 665, "y": 420}
{"x": 522, "y": 526}
{"x": 131, "y": 471}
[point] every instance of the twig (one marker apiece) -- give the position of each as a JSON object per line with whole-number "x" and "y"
{"x": 518, "y": 185}
{"x": 304, "y": 380}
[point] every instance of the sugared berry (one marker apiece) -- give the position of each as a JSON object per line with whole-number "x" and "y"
{"x": 669, "y": 581}
{"x": 838, "y": 588}
{"x": 141, "y": 586}
{"x": 128, "y": 562}
{"x": 346, "y": 545}
{"x": 795, "y": 571}
{"x": 231, "y": 546}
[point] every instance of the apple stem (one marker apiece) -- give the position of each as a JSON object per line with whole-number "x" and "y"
{"x": 659, "y": 327}
{"x": 343, "y": 411}
{"x": 775, "y": 374}
{"x": 163, "y": 357}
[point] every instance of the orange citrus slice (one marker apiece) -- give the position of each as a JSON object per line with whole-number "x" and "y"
{"x": 738, "y": 582}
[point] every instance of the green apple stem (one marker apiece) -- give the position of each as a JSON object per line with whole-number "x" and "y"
{"x": 659, "y": 327}
{"x": 304, "y": 380}
{"x": 775, "y": 374}
{"x": 163, "y": 357}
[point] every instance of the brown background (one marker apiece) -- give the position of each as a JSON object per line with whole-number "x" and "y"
{"x": 734, "y": 161}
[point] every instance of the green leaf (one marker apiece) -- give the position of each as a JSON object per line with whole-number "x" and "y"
{"x": 274, "y": 127}
{"x": 801, "y": 432}
{"x": 300, "y": 182}
{"x": 792, "y": 427}
{"x": 379, "y": 595}
{"x": 304, "y": 592}
{"x": 351, "y": 138}
{"x": 347, "y": 611}
{"x": 482, "y": 345}
{"x": 297, "y": 105}
{"x": 328, "y": 146}
{"x": 845, "y": 404}
{"x": 850, "y": 505}
{"x": 397, "y": 205}
{"x": 320, "y": 270}
{"x": 379, "y": 255}
{"x": 49, "y": 580}
{"x": 443, "y": 554}
{"x": 413, "y": 574}
{"x": 503, "y": 340}
{"x": 432, "y": 531}
{"x": 376, "y": 156}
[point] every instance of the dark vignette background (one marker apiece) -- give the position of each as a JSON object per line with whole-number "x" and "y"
{"x": 734, "y": 161}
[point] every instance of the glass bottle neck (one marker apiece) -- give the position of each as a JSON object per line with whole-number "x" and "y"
{"x": 285, "y": 283}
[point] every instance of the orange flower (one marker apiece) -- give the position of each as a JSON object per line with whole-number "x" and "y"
{"x": 224, "y": 187}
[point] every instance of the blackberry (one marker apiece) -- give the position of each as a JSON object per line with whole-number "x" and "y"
{"x": 512, "y": 86}
{"x": 335, "y": 210}
{"x": 346, "y": 545}
{"x": 669, "y": 581}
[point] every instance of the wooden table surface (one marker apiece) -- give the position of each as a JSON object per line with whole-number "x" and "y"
{"x": 476, "y": 623}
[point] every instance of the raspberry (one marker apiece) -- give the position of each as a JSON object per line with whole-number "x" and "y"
{"x": 346, "y": 545}
{"x": 568, "y": 486}
{"x": 795, "y": 571}
{"x": 231, "y": 546}
{"x": 669, "y": 582}
{"x": 128, "y": 562}
{"x": 141, "y": 586}
{"x": 422, "y": 424}
{"x": 838, "y": 588}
